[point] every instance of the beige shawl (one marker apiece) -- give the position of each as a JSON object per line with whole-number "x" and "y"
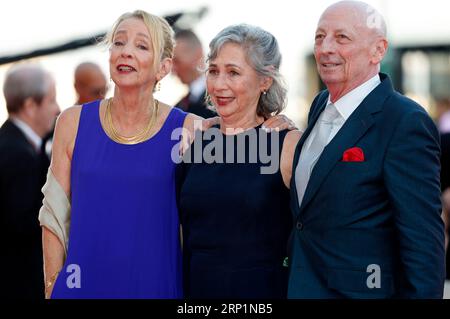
{"x": 55, "y": 212}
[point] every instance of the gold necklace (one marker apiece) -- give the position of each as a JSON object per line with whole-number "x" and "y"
{"x": 141, "y": 136}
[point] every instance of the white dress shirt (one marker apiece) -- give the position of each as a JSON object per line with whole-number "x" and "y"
{"x": 346, "y": 105}
{"x": 31, "y": 135}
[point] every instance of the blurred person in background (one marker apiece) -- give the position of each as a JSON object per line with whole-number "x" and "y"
{"x": 188, "y": 65}
{"x": 90, "y": 83}
{"x": 30, "y": 96}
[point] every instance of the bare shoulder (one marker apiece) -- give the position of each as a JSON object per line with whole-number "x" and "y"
{"x": 163, "y": 114}
{"x": 164, "y": 110}
{"x": 72, "y": 112}
{"x": 67, "y": 123}
{"x": 292, "y": 138}
{"x": 287, "y": 155}
{"x": 66, "y": 130}
{"x": 191, "y": 120}
{"x": 63, "y": 144}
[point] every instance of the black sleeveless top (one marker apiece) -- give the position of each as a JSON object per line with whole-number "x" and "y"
{"x": 235, "y": 215}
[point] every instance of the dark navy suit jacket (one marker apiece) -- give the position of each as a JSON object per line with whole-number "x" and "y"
{"x": 22, "y": 175}
{"x": 197, "y": 107}
{"x": 384, "y": 211}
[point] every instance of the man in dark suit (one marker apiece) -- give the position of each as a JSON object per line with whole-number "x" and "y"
{"x": 187, "y": 65}
{"x": 366, "y": 193}
{"x": 31, "y": 103}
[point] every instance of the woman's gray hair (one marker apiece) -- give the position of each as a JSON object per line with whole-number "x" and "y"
{"x": 263, "y": 54}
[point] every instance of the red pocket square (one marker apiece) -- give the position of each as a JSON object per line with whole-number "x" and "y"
{"x": 354, "y": 154}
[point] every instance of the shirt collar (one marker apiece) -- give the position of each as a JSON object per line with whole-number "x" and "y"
{"x": 197, "y": 88}
{"x": 347, "y": 104}
{"x": 31, "y": 135}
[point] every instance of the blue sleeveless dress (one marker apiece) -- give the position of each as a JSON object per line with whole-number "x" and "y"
{"x": 124, "y": 237}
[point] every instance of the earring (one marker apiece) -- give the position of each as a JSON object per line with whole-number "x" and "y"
{"x": 264, "y": 92}
{"x": 158, "y": 87}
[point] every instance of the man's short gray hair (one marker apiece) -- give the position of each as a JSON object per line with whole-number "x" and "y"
{"x": 23, "y": 82}
{"x": 263, "y": 53}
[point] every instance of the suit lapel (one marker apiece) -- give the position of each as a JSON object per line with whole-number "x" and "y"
{"x": 321, "y": 104}
{"x": 14, "y": 133}
{"x": 351, "y": 132}
{"x": 346, "y": 138}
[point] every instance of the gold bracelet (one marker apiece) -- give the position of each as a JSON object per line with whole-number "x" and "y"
{"x": 52, "y": 279}
{"x": 49, "y": 283}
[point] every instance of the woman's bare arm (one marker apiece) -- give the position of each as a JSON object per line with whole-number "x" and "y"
{"x": 63, "y": 143}
{"x": 287, "y": 155}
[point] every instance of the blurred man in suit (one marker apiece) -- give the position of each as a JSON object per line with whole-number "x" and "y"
{"x": 188, "y": 62}
{"x": 90, "y": 83}
{"x": 32, "y": 108}
{"x": 366, "y": 192}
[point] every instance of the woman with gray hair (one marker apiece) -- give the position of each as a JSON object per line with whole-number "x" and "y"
{"x": 234, "y": 199}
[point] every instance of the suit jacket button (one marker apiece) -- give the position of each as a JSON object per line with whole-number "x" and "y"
{"x": 299, "y": 226}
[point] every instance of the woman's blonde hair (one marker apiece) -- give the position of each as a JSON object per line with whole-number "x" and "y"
{"x": 160, "y": 31}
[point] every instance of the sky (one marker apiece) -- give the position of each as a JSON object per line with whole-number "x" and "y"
{"x": 27, "y": 25}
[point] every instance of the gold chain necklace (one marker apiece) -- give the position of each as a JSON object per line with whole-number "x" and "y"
{"x": 141, "y": 136}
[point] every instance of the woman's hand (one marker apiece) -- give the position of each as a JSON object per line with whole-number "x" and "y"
{"x": 53, "y": 259}
{"x": 49, "y": 284}
{"x": 279, "y": 122}
{"x": 208, "y": 123}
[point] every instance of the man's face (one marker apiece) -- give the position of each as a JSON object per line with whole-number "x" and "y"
{"x": 91, "y": 86}
{"x": 344, "y": 48}
{"x": 186, "y": 60}
{"x": 47, "y": 111}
